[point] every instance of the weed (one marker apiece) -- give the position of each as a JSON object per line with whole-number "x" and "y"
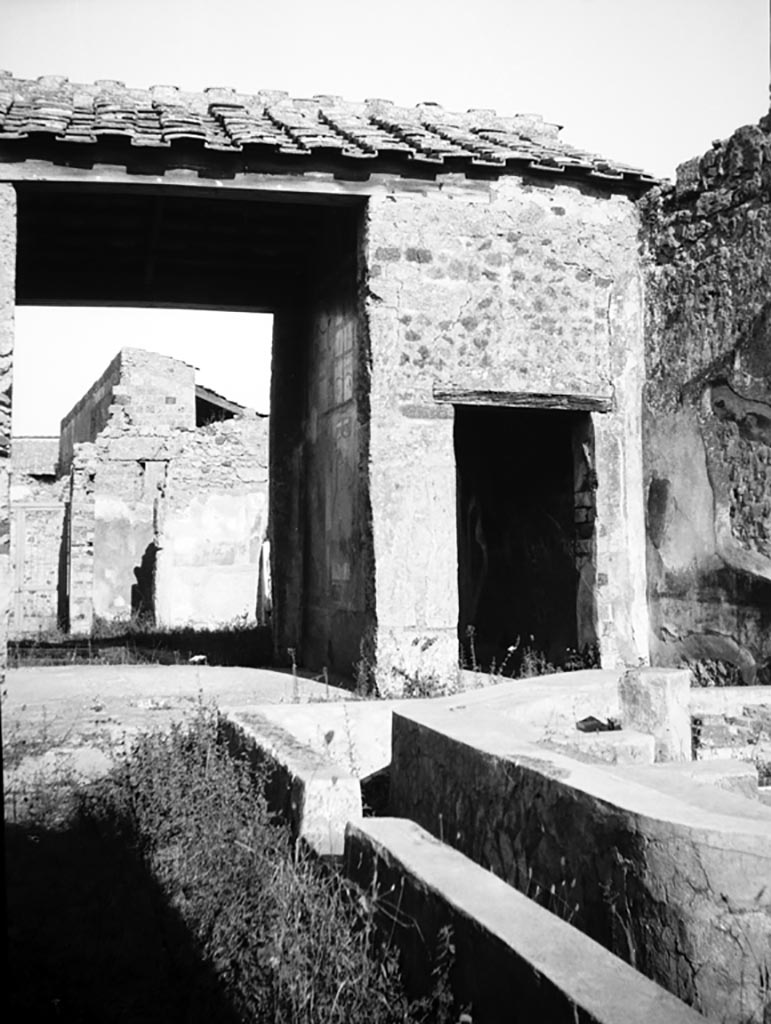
{"x": 283, "y": 940}
{"x": 558, "y": 898}
{"x": 425, "y": 684}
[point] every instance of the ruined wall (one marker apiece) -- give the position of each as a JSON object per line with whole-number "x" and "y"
{"x": 170, "y": 525}
{"x": 519, "y": 289}
{"x": 38, "y": 543}
{"x": 707, "y": 424}
{"x": 156, "y": 391}
{"x": 321, "y": 549}
{"x": 211, "y": 521}
{"x": 89, "y": 415}
{"x": 145, "y": 388}
{"x": 80, "y": 525}
{"x": 669, "y": 875}
{"x": 7, "y": 307}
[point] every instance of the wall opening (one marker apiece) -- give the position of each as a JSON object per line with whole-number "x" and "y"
{"x": 139, "y": 250}
{"x": 525, "y": 492}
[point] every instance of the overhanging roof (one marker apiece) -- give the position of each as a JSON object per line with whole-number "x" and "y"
{"x": 300, "y": 134}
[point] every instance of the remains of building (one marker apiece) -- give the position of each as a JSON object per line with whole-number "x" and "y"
{"x": 520, "y": 409}
{"x": 152, "y": 506}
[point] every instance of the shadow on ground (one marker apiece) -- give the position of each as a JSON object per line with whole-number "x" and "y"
{"x": 92, "y": 937}
{"x": 249, "y": 648}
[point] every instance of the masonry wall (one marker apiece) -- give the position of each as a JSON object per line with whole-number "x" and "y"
{"x": 672, "y": 877}
{"x": 505, "y": 293}
{"x": 211, "y": 521}
{"x": 707, "y": 423}
{"x": 169, "y": 525}
{"x": 89, "y": 415}
{"x": 145, "y": 389}
{"x": 81, "y": 523}
{"x": 7, "y": 307}
{"x": 155, "y": 391}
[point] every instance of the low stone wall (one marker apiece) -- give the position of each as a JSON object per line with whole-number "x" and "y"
{"x": 733, "y": 721}
{"x": 669, "y": 874}
{"x": 513, "y": 960}
{"x": 312, "y": 793}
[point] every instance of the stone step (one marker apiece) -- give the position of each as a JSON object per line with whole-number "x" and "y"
{"x": 514, "y": 960}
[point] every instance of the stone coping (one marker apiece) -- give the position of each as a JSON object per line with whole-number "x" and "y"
{"x": 523, "y": 956}
{"x": 315, "y": 795}
{"x": 721, "y": 700}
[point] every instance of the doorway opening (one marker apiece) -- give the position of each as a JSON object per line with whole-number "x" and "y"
{"x": 525, "y": 491}
{"x": 139, "y": 249}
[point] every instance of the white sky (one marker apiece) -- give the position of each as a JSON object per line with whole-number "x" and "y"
{"x": 60, "y": 352}
{"x": 650, "y": 82}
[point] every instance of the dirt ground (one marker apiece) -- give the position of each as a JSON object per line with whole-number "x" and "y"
{"x": 73, "y": 718}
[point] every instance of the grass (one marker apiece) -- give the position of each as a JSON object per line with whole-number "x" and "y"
{"x": 164, "y": 892}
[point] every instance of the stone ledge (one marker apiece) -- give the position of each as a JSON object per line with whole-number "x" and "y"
{"x": 313, "y": 794}
{"x": 739, "y": 777}
{"x": 510, "y": 954}
{"x": 692, "y": 861}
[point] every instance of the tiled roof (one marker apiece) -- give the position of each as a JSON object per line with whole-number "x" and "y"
{"x": 271, "y": 122}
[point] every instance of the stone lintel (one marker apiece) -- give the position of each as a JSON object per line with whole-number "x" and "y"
{"x": 457, "y": 395}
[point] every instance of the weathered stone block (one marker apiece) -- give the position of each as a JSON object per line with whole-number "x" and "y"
{"x": 736, "y": 776}
{"x": 656, "y": 701}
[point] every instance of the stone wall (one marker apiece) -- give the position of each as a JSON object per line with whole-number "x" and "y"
{"x": 515, "y": 292}
{"x": 669, "y": 875}
{"x": 156, "y": 392}
{"x": 81, "y": 524}
{"x": 733, "y": 722}
{"x": 7, "y": 309}
{"x": 211, "y": 521}
{"x": 38, "y": 545}
{"x": 707, "y": 419}
{"x": 145, "y": 389}
{"x": 174, "y": 521}
{"x": 89, "y": 415}
{"x": 35, "y": 456}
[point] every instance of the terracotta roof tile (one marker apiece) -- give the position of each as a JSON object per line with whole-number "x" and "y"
{"x": 222, "y": 119}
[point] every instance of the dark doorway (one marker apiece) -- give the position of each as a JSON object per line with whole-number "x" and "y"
{"x": 518, "y": 576}
{"x": 143, "y": 591}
